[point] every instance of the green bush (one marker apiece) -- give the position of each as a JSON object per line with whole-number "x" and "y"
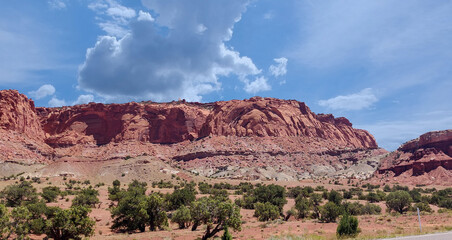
{"x": 5, "y": 225}
{"x": 303, "y": 206}
{"x": 348, "y": 226}
{"x": 216, "y": 215}
{"x": 181, "y": 197}
{"x": 19, "y": 194}
{"x": 50, "y": 193}
{"x": 266, "y": 211}
{"x": 135, "y": 210}
{"x": 86, "y": 197}
{"x": 335, "y": 197}
{"x": 69, "y": 223}
{"x": 272, "y": 193}
{"x": 182, "y": 217}
{"x": 399, "y": 201}
{"x": 329, "y": 212}
{"x": 423, "y": 207}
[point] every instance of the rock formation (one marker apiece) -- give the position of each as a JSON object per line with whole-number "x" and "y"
{"x": 424, "y": 160}
{"x": 257, "y": 132}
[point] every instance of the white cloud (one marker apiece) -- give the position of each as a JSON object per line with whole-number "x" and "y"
{"x": 113, "y": 18}
{"x": 145, "y": 16}
{"x": 391, "y": 134}
{"x": 120, "y": 11}
{"x": 83, "y": 99}
{"x": 280, "y": 69}
{"x": 355, "y": 101}
{"x": 44, "y": 91}
{"x": 258, "y": 85}
{"x": 55, "y": 102}
{"x": 145, "y": 64}
{"x": 57, "y": 4}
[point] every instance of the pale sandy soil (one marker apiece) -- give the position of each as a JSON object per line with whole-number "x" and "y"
{"x": 383, "y": 225}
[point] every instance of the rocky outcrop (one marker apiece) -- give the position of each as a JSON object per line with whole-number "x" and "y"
{"x": 18, "y": 113}
{"x": 418, "y": 160}
{"x": 100, "y": 124}
{"x": 263, "y": 117}
{"x": 252, "y": 133}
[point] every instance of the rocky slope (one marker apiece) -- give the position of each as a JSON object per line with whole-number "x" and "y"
{"x": 254, "y": 138}
{"x": 424, "y": 160}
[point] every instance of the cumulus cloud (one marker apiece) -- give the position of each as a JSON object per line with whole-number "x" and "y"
{"x": 145, "y": 16}
{"x": 57, "y": 4}
{"x": 83, "y": 99}
{"x": 280, "y": 69}
{"x": 113, "y": 17}
{"x": 42, "y": 92}
{"x": 55, "y": 102}
{"x": 182, "y": 54}
{"x": 258, "y": 85}
{"x": 356, "y": 101}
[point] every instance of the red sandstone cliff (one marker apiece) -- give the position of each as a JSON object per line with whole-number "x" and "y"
{"x": 257, "y": 132}
{"x": 424, "y": 160}
{"x": 281, "y": 118}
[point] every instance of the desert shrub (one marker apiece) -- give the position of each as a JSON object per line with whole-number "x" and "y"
{"x": 297, "y": 191}
{"x": 329, "y": 212}
{"x": 377, "y": 196}
{"x": 303, "y": 206}
{"x": 442, "y": 198}
{"x": 69, "y": 223}
{"x": 291, "y": 212}
{"x": 220, "y": 194}
{"x": 371, "y": 209}
{"x": 130, "y": 213}
{"x": 446, "y": 203}
{"x": 182, "y": 217}
{"x": 20, "y": 221}
{"x": 19, "y": 194}
{"x": 5, "y": 225}
{"x": 387, "y": 188}
{"x": 216, "y": 215}
{"x": 423, "y": 207}
{"x": 37, "y": 221}
{"x": 163, "y": 184}
{"x": 113, "y": 191}
{"x": 245, "y": 187}
{"x": 179, "y": 197}
{"x": 155, "y": 208}
{"x": 226, "y": 235}
{"x": 415, "y": 195}
{"x": 396, "y": 188}
{"x": 335, "y": 197}
{"x": 272, "y": 193}
{"x": 398, "y": 201}
{"x": 316, "y": 200}
{"x": 50, "y": 193}
{"x": 204, "y": 188}
{"x": 86, "y": 197}
{"x": 135, "y": 210}
{"x": 348, "y": 195}
{"x": 348, "y": 226}
{"x": 266, "y": 211}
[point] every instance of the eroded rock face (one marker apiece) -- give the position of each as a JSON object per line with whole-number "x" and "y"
{"x": 263, "y": 117}
{"x": 100, "y": 124}
{"x": 425, "y": 160}
{"x": 18, "y": 113}
{"x": 251, "y": 135}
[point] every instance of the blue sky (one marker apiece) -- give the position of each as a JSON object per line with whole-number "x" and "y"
{"x": 385, "y": 65}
